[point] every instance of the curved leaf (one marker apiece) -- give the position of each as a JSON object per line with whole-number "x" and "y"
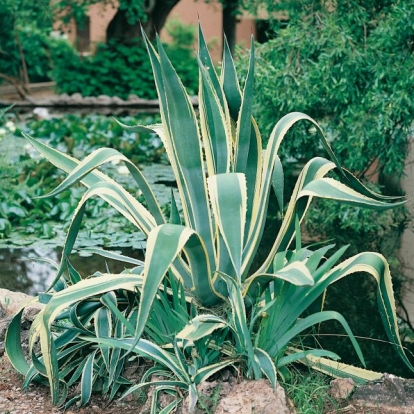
{"x": 145, "y": 348}
{"x": 244, "y": 128}
{"x": 266, "y": 365}
{"x": 228, "y": 195}
{"x": 102, "y": 156}
{"x": 201, "y": 326}
{"x": 206, "y": 372}
{"x": 87, "y": 379}
{"x": 340, "y": 370}
{"x": 295, "y": 355}
{"x": 296, "y": 273}
{"x": 63, "y": 299}
{"x": 132, "y": 210}
{"x": 172, "y": 239}
{"x": 335, "y": 190}
{"x": 215, "y": 126}
{"x": 68, "y": 164}
{"x": 312, "y": 320}
{"x": 375, "y": 265}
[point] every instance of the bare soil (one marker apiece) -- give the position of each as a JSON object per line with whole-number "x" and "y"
{"x": 390, "y": 395}
{"x": 13, "y": 400}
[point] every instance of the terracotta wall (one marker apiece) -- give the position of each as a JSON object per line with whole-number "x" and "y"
{"x": 210, "y": 17}
{"x": 100, "y": 18}
{"x": 188, "y": 11}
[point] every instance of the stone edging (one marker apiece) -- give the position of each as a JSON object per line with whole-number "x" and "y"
{"x": 77, "y": 100}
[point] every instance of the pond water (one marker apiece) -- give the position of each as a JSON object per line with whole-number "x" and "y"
{"x": 21, "y": 270}
{"x": 27, "y": 242}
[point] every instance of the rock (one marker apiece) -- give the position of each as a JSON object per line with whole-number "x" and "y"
{"x": 254, "y": 397}
{"x": 2, "y": 311}
{"x": 88, "y": 100}
{"x": 103, "y": 100}
{"x": 31, "y": 312}
{"x": 62, "y": 99}
{"x": 13, "y": 301}
{"x": 4, "y": 324}
{"x": 341, "y": 388}
{"x": 391, "y": 394}
{"x": 76, "y": 98}
{"x": 115, "y": 100}
{"x": 133, "y": 371}
{"x": 133, "y": 98}
{"x": 226, "y": 376}
{"x": 206, "y": 391}
{"x": 165, "y": 399}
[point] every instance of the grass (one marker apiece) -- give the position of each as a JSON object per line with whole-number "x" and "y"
{"x": 308, "y": 391}
{"x": 207, "y": 403}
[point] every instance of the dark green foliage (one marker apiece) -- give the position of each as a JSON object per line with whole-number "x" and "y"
{"x": 25, "y": 42}
{"x": 349, "y": 67}
{"x": 40, "y": 53}
{"x": 372, "y": 230}
{"x": 309, "y": 391}
{"x": 114, "y": 70}
{"x": 120, "y": 70}
{"x": 85, "y": 134}
{"x": 75, "y": 9}
{"x": 354, "y": 296}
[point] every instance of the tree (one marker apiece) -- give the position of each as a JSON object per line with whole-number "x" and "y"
{"x": 125, "y": 27}
{"x": 22, "y": 24}
{"x": 231, "y": 9}
{"x": 350, "y": 67}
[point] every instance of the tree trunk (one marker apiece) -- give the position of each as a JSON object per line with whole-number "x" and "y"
{"x": 20, "y": 87}
{"x": 230, "y": 9}
{"x": 121, "y": 31}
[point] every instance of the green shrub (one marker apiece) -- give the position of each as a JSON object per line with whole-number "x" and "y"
{"x": 349, "y": 66}
{"x": 197, "y": 304}
{"x": 40, "y": 52}
{"x": 120, "y": 70}
{"x": 24, "y": 33}
{"x": 83, "y": 134}
{"x": 114, "y": 70}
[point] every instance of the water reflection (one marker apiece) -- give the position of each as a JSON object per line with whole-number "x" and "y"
{"x": 19, "y": 270}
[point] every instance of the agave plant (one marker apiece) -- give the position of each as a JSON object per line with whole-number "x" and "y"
{"x": 217, "y": 307}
